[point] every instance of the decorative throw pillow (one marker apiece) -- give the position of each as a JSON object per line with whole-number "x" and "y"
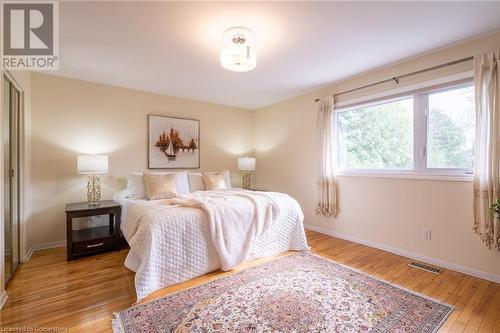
{"x": 215, "y": 181}
{"x": 196, "y": 182}
{"x": 138, "y": 187}
{"x": 160, "y": 186}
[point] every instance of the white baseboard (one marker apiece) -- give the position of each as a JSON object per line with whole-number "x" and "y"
{"x": 28, "y": 255}
{"x": 45, "y": 246}
{"x": 412, "y": 255}
{"x": 3, "y": 298}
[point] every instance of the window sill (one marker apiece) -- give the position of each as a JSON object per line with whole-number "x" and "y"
{"x": 458, "y": 177}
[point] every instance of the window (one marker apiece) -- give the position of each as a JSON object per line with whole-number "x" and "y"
{"x": 425, "y": 133}
{"x": 450, "y": 133}
{"x": 379, "y": 136}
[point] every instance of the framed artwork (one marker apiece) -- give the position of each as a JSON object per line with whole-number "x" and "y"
{"x": 173, "y": 143}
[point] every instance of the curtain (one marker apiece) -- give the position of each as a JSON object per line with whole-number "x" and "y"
{"x": 487, "y": 146}
{"x": 327, "y": 196}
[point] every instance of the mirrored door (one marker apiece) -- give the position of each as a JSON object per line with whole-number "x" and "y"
{"x": 10, "y": 140}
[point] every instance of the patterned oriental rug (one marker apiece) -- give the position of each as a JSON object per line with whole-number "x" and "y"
{"x": 297, "y": 293}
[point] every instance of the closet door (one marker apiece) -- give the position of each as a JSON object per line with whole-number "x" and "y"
{"x": 5, "y": 130}
{"x": 11, "y": 98}
{"x": 14, "y": 172}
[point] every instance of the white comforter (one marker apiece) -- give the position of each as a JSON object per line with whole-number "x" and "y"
{"x": 175, "y": 240}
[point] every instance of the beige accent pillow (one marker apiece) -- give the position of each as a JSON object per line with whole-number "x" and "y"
{"x": 215, "y": 181}
{"x": 160, "y": 186}
{"x": 196, "y": 182}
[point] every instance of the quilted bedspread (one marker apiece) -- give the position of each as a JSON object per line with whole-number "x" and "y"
{"x": 170, "y": 244}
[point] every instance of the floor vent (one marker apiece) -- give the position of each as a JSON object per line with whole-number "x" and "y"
{"x": 425, "y": 267}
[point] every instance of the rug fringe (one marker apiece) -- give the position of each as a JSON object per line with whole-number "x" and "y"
{"x": 442, "y": 321}
{"x": 116, "y": 323}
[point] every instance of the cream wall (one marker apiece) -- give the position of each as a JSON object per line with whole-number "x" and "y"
{"x": 71, "y": 117}
{"x": 387, "y": 213}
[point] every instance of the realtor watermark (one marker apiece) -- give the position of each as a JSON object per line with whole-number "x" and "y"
{"x": 53, "y": 329}
{"x": 30, "y": 35}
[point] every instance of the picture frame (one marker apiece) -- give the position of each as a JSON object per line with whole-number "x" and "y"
{"x": 173, "y": 143}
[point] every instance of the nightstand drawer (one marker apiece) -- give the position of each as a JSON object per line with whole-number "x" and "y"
{"x": 94, "y": 245}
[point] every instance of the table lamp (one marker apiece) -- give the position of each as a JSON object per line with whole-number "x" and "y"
{"x": 93, "y": 165}
{"x": 246, "y": 164}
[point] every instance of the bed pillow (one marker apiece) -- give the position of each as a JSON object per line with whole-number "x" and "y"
{"x": 182, "y": 182}
{"x": 228, "y": 178}
{"x": 138, "y": 186}
{"x": 160, "y": 186}
{"x": 215, "y": 181}
{"x": 196, "y": 182}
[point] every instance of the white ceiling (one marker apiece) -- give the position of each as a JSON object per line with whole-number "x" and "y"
{"x": 173, "y": 47}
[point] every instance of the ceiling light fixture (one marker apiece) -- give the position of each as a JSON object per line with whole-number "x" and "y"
{"x": 238, "y": 54}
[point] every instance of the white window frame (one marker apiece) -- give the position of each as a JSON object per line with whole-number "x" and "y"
{"x": 420, "y": 127}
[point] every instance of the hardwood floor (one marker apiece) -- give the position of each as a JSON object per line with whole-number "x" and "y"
{"x": 81, "y": 296}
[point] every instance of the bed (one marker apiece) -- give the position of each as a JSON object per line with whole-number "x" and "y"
{"x": 173, "y": 241}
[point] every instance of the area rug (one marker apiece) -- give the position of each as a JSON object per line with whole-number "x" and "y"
{"x": 296, "y": 293}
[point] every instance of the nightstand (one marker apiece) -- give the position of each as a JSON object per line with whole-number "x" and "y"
{"x": 259, "y": 190}
{"x": 96, "y": 239}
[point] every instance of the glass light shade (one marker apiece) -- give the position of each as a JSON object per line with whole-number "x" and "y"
{"x": 238, "y": 58}
{"x": 92, "y": 164}
{"x": 238, "y": 53}
{"x": 246, "y": 163}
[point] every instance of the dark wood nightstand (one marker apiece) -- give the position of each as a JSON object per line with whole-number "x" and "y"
{"x": 259, "y": 190}
{"x": 96, "y": 239}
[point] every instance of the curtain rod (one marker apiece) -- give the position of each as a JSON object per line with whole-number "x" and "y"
{"x": 397, "y": 78}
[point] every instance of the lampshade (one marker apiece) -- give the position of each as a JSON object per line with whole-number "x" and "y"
{"x": 238, "y": 54}
{"x": 246, "y": 163}
{"x": 92, "y": 164}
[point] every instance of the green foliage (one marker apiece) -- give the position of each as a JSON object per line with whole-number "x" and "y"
{"x": 378, "y": 137}
{"x": 495, "y": 210}
{"x": 381, "y": 136}
{"x": 450, "y": 139}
